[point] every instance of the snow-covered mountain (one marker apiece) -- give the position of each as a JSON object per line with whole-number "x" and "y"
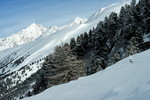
{"x": 45, "y": 44}
{"x": 121, "y": 81}
{"x": 21, "y": 61}
{"x": 76, "y": 21}
{"x": 24, "y": 36}
{"x": 32, "y": 32}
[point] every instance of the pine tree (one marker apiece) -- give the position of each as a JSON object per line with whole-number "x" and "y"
{"x": 73, "y": 45}
{"x": 85, "y": 41}
{"x": 61, "y": 67}
{"x": 133, "y": 3}
{"x": 79, "y": 46}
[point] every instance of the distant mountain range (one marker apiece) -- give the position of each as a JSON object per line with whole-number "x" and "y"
{"x": 32, "y": 32}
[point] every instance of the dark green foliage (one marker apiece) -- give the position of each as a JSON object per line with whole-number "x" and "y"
{"x": 133, "y": 3}
{"x": 72, "y": 45}
{"x": 79, "y": 46}
{"x": 117, "y": 37}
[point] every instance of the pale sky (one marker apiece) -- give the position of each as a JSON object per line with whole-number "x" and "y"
{"x": 18, "y": 14}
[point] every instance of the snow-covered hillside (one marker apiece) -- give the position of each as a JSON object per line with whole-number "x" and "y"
{"x": 45, "y": 44}
{"x": 121, "y": 81}
{"x": 26, "y": 35}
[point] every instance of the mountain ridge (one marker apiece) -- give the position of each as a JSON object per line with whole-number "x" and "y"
{"x": 26, "y": 35}
{"x": 33, "y": 31}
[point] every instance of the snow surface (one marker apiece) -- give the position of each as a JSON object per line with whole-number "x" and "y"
{"x": 146, "y": 37}
{"x": 121, "y": 81}
{"x": 22, "y": 75}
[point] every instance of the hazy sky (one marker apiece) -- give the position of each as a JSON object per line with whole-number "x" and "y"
{"x": 18, "y": 14}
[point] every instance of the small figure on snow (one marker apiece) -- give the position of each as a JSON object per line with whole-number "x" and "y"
{"x": 131, "y": 60}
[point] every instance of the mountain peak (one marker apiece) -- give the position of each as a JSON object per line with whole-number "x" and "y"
{"x": 79, "y": 20}
{"x": 26, "y": 35}
{"x": 32, "y": 30}
{"x": 33, "y": 24}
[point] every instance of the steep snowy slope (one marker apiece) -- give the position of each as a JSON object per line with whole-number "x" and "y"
{"x": 103, "y": 12}
{"x": 122, "y": 81}
{"x": 26, "y": 35}
{"x": 14, "y": 59}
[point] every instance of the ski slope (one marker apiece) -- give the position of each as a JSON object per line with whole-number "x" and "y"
{"x": 121, "y": 81}
{"x": 45, "y": 44}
